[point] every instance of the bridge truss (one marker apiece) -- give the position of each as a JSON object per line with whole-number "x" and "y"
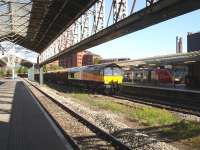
{"x": 101, "y": 15}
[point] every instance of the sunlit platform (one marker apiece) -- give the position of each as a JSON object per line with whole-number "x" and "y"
{"x": 23, "y": 123}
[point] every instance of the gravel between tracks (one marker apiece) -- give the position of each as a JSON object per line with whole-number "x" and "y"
{"x": 84, "y": 137}
{"x": 110, "y": 123}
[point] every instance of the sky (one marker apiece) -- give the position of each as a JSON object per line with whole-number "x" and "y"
{"x": 159, "y": 39}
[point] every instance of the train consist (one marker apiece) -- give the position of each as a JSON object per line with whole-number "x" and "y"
{"x": 110, "y": 76}
{"x": 157, "y": 75}
{"x": 152, "y": 75}
{"x": 96, "y": 77}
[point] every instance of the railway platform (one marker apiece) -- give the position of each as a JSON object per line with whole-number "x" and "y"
{"x": 186, "y": 97}
{"x": 23, "y": 123}
{"x": 170, "y": 88}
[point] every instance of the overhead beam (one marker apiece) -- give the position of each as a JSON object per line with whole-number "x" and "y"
{"x": 156, "y": 13}
{"x": 70, "y": 21}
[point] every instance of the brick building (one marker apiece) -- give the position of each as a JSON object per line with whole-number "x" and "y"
{"x": 77, "y": 59}
{"x": 90, "y": 58}
{"x": 110, "y": 60}
{"x": 54, "y": 63}
{"x": 50, "y": 66}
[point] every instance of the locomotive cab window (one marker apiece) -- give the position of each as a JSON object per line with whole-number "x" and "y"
{"x": 117, "y": 71}
{"x": 108, "y": 71}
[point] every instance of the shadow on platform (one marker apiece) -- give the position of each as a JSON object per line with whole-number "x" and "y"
{"x": 168, "y": 133}
{"x": 1, "y": 82}
{"x": 4, "y": 128}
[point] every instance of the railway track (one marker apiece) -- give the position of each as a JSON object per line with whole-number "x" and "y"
{"x": 100, "y": 138}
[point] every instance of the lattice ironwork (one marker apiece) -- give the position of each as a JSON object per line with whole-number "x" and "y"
{"x": 92, "y": 22}
{"x": 14, "y": 17}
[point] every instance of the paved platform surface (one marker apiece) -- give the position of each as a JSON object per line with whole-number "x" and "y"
{"x": 23, "y": 125}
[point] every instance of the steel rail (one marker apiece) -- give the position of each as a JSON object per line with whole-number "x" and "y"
{"x": 69, "y": 138}
{"x": 101, "y": 133}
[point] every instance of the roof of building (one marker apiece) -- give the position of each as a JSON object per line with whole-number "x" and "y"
{"x": 181, "y": 58}
{"x": 192, "y": 33}
{"x": 90, "y": 53}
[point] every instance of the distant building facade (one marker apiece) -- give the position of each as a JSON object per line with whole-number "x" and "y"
{"x": 54, "y": 63}
{"x": 113, "y": 60}
{"x": 50, "y": 66}
{"x": 77, "y": 59}
{"x": 193, "y": 42}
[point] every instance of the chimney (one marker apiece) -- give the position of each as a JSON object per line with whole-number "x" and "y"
{"x": 179, "y": 44}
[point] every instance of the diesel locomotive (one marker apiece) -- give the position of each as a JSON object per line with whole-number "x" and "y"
{"x": 96, "y": 77}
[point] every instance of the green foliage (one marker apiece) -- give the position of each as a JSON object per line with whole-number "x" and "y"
{"x": 153, "y": 116}
{"x": 51, "y": 67}
{"x": 146, "y": 115}
{"x": 165, "y": 124}
{"x": 97, "y": 61}
{"x": 2, "y": 72}
{"x": 22, "y": 69}
{"x": 8, "y": 72}
{"x": 45, "y": 68}
{"x": 183, "y": 129}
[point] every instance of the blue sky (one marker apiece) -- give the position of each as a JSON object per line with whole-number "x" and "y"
{"x": 156, "y": 40}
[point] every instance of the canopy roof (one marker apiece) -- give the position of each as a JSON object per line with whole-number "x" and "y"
{"x": 14, "y": 17}
{"x": 8, "y": 60}
{"x": 174, "y": 59}
{"x": 34, "y": 24}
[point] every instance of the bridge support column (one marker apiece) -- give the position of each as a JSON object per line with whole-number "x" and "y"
{"x": 13, "y": 72}
{"x": 31, "y": 73}
{"x": 41, "y": 75}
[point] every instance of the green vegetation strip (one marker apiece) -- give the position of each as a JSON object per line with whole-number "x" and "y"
{"x": 172, "y": 127}
{"x": 147, "y": 115}
{"x": 187, "y": 131}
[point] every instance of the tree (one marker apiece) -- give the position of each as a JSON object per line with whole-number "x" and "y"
{"x": 97, "y": 60}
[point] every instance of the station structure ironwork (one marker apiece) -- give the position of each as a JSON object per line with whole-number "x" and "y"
{"x": 56, "y": 27}
{"x": 173, "y": 59}
{"x": 98, "y": 17}
{"x": 34, "y": 24}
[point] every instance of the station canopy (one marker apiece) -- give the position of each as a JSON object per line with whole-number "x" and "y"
{"x": 34, "y": 24}
{"x": 18, "y": 53}
{"x": 173, "y": 59}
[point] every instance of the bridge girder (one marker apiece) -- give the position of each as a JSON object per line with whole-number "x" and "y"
{"x": 156, "y": 11}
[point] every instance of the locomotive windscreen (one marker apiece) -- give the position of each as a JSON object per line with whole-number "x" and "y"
{"x": 108, "y": 71}
{"x": 115, "y": 71}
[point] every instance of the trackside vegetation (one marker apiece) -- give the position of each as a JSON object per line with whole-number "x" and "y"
{"x": 165, "y": 124}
